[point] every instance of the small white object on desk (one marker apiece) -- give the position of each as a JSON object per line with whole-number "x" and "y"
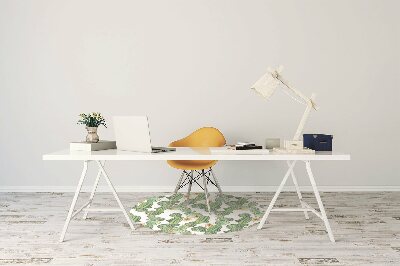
{"x": 271, "y": 143}
{"x": 293, "y": 144}
{"x": 91, "y": 146}
{"x": 294, "y": 147}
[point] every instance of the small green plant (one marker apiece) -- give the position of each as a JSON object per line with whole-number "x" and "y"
{"x": 92, "y": 120}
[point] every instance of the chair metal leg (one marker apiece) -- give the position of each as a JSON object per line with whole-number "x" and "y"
{"x": 179, "y": 182}
{"x": 298, "y": 191}
{"x": 190, "y": 184}
{"x": 206, "y": 190}
{"x": 216, "y": 181}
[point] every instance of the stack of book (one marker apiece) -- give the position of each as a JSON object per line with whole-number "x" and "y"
{"x": 98, "y": 146}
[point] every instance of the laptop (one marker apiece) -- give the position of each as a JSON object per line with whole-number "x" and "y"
{"x": 132, "y": 133}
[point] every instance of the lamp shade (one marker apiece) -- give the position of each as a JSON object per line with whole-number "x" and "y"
{"x": 267, "y": 84}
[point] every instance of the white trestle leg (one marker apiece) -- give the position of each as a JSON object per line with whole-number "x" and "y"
{"x": 71, "y": 209}
{"x": 86, "y": 207}
{"x": 96, "y": 182}
{"x": 304, "y": 206}
{"x": 278, "y": 191}
{"x": 115, "y": 195}
{"x": 298, "y": 191}
{"x": 320, "y": 205}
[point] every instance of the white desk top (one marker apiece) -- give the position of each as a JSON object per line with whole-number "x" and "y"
{"x": 189, "y": 154}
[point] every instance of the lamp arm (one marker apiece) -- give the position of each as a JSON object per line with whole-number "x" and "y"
{"x": 297, "y": 92}
{"x": 310, "y": 105}
{"x": 309, "y": 102}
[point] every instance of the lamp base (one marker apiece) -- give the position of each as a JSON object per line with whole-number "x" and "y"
{"x": 293, "y": 151}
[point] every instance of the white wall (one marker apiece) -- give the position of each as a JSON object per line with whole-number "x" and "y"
{"x": 188, "y": 64}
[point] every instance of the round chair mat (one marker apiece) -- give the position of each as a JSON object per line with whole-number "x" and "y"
{"x": 178, "y": 215}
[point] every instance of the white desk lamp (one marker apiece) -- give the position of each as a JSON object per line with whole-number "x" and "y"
{"x": 266, "y": 86}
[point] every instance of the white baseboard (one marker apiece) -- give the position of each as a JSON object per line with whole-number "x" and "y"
{"x": 195, "y": 189}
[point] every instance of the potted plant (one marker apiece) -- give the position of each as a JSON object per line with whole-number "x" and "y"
{"x": 92, "y": 121}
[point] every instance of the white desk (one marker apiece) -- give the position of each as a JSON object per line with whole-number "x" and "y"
{"x": 100, "y": 157}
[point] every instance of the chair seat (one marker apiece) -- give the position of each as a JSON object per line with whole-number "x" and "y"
{"x": 191, "y": 164}
{"x": 203, "y": 137}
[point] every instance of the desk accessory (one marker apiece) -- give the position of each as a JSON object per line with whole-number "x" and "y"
{"x": 272, "y": 143}
{"x": 266, "y": 86}
{"x": 88, "y": 146}
{"x": 247, "y": 146}
{"x": 318, "y": 142}
{"x": 92, "y": 121}
{"x": 244, "y": 143}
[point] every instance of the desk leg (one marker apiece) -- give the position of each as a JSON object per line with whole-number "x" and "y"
{"x": 101, "y": 168}
{"x": 71, "y": 209}
{"x": 298, "y": 191}
{"x": 320, "y": 205}
{"x": 271, "y": 205}
{"x": 96, "y": 182}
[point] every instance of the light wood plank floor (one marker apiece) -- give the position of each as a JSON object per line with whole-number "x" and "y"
{"x": 366, "y": 226}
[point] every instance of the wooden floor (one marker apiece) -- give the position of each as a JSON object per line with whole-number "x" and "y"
{"x": 366, "y": 226}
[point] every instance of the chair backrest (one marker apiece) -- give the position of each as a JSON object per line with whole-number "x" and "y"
{"x": 203, "y": 137}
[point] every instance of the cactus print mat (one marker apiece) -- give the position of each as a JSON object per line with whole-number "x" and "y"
{"x": 177, "y": 215}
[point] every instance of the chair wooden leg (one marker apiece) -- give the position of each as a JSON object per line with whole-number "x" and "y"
{"x": 206, "y": 190}
{"x": 216, "y": 181}
{"x": 190, "y": 184}
{"x": 179, "y": 183}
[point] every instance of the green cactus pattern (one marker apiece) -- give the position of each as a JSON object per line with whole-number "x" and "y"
{"x": 175, "y": 214}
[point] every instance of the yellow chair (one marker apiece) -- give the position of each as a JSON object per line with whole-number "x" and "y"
{"x": 194, "y": 170}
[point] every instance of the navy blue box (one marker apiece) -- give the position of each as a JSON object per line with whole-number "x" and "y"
{"x": 318, "y": 142}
